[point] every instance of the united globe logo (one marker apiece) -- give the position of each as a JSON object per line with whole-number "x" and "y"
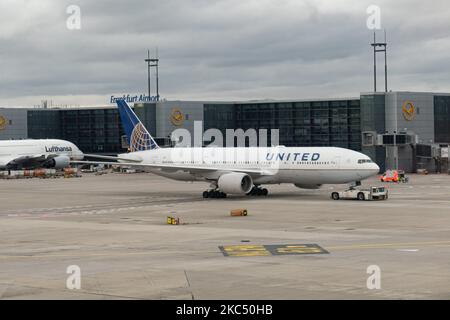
{"x": 140, "y": 139}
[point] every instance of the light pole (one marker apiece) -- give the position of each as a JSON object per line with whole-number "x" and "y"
{"x": 148, "y": 60}
{"x": 155, "y": 64}
{"x": 152, "y": 62}
{"x": 383, "y": 46}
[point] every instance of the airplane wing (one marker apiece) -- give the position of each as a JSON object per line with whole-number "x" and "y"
{"x": 111, "y": 158}
{"x": 170, "y": 167}
{"x": 26, "y": 161}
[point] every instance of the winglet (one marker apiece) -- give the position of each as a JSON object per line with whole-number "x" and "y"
{"x": 138, "y": 137}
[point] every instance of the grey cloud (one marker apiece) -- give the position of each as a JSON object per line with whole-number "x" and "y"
{"x": 219, "y": 49}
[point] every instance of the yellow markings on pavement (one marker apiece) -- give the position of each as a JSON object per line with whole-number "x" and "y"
{"x": 268, "y": 250}
{"x": 244, "y": 251}
{"x": 298, "y": 250}
{"x": 286, "y": 249}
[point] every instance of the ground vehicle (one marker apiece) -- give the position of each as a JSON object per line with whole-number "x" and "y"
{"x": 394, "y": 176}
{"x": 371, "y": 193}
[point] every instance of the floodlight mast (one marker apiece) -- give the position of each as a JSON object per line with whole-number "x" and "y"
{"x": 377, "y": 48}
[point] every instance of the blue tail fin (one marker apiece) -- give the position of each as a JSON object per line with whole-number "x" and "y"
{"x": 138, "y": 137}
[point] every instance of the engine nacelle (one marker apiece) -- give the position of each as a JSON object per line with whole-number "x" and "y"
{"x": 59, "y": 162}
{"x": 308, "y": 186}
{"x": 235, "y": 183}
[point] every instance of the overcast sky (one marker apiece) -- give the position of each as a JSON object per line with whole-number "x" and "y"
{"x": 217, "y": 49}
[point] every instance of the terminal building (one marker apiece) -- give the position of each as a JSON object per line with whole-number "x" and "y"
{"x": 404, "y": 130}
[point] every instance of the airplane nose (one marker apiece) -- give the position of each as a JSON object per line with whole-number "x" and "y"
{"x": 375, "y": 168}
{"x": 78, "y": 154}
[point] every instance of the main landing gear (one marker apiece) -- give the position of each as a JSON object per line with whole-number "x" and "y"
{"x": 216, "y": 194}
{"x": 258, "y": 191}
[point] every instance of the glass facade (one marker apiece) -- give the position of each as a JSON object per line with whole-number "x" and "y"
{"x": 373, "y": 107}
{"x": 43, "y": 124}
{"x": 92, "y": 130}
{"x": 373, "y": 113}
{"x": 306, "y": 123}
{"x": 442, "y": 119}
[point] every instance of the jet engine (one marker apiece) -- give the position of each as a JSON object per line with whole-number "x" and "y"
{"x": 235, "y": 183}
{"x": 308, "y": 186}
{"x": 59, "y": 162}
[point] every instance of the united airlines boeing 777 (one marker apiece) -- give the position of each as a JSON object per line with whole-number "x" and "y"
{"x": 240, "y": 170}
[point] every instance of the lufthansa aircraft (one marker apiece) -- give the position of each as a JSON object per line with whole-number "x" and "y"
{"x": 240, "y": 170}
{"x": 31, "y": 154}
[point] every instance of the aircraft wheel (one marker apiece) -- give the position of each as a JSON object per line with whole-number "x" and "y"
{"x": 335, "y": 196}
{"x": 205, "y": 194}
{"x": 361, "y": 196}
{"x": 265, "y": 192}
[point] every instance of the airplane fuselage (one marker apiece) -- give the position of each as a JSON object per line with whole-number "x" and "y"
{"x": 298, "y": 165}
{"x": 33, "y": 151}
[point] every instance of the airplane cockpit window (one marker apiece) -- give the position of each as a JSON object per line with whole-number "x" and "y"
{"x": 361, "y": 161}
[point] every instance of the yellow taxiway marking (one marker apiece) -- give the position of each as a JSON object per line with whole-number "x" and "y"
{"x": 291, "y": 250}
{"x": 246, "y": 251}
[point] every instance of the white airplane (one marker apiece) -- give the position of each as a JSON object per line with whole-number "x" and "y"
{"x": 42, "y": 153}
{"x": 239, "y": 170}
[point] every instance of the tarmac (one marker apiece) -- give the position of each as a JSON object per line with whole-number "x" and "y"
{"x": 293, "y": 244}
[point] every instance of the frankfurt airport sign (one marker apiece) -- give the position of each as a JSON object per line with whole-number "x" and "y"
{"x": 130, "y": 98}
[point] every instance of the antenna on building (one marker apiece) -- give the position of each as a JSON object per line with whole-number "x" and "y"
{"x": 148, "y": 71}
{"x": 153, "y": 62}
{"x": 157, "y": 74}
{"x": 379, "y": 47}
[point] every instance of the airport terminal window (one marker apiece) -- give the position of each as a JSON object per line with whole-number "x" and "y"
{"x": 372, "y": 112}
{"x": 43, "y": 124}
{"x": 442, "y": 119}
{"x": 308, "y": 123}
{"x": 97, "y": 130}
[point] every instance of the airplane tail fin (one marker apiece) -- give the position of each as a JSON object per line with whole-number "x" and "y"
{"x": 138, "y": 137}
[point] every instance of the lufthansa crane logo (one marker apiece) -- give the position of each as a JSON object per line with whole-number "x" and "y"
{"x": 3, "y": 122}
{"x": 408, "y": 110}
{"x": 176, "y": 117}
